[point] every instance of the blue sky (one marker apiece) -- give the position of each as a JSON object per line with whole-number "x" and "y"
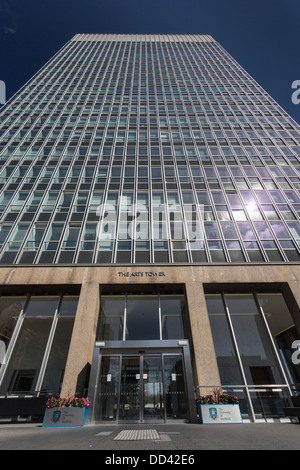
{"x": 262, "y": 35}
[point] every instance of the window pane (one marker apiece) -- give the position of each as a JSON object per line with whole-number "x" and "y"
{"x": 255, "y": 348}
{"x": 108, "y": 389}
{"x": 111, "y": 318}
{"x": 172, "y": 317}
{"x": 283, "y": 331}
{"x": 227, "y": 361}
{"x": 142, "y": 320}
{"x": 176, "y": 403}
{"x": 24, "y": 366}
{"x": 10, "y": 309}
{"x": 60, "y": 346}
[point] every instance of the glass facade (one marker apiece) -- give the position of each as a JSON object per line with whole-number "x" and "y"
{"x": 141, "y": 317}
{"x": 141, "y": 388}
{"x": 147, "y": 149}
{"x": 250, "y": 332}
{"x": 140, "y": 369}
{"x": 36, "y": 332}
{"x": 10, "y": 310}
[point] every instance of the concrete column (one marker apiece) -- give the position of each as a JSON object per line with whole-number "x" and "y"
{"x": 82, "y": 343}
{"x": 205, "y": 365}
{"x": 292, "y": 297}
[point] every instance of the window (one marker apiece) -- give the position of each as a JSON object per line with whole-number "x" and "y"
{"x": 244, "y": 328}
{"x": 10, "y": 310}
{"x": 141, "y": 317}
{"x": 45, "y": 321}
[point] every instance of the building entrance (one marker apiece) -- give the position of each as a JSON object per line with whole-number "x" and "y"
{"x": 141, "y": 387}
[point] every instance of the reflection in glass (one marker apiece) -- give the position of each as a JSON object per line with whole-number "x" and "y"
{"x": 111, "y": 318}
{"x": 281, "y": 325}
{"x": 138, "y": 317}
{"x": 153, "y": 406}
{"x": 225, "y": 352}
{"x": 141, "y": 388}
{"x": 108, "y": 388}
{"x": 172, "y": 316}
{"x": 35, "y": 237}
{"x": 70, "y": 238}
{"x": 53, "y": 236}
{"x": 130, "y": 388}
{"x": 10, "y": 309}
{"x": 258, "y": 358}
{"x": 176, "y": 402}
{"x": 24, "y": 366}
{"x": 18, "y": 236}
{"x": 60, "y": 346}
{"x": 142, "y": 319}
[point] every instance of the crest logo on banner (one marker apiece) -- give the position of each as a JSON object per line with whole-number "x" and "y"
{"x": 56, "y": 416}
{"x": 213, "y": 413}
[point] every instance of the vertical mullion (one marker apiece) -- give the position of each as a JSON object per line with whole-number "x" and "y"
{"x": 125, "y": 318}
{"x": 13, "y": 340}
{"x": 159, "y": 317}
{"x": 47, "y": 349}
{"x": 238, "y": 355}
{"x": 262, "y": 315}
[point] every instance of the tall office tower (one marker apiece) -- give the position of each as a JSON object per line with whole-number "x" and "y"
{"x": 149, "y": 232}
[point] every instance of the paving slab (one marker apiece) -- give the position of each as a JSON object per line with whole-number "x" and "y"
{"x": 180, "y": 438}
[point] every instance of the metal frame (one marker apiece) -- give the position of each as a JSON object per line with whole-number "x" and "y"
{"x": 142, "y": 348}
{"x": 14, "y": 338}
{"x": 189, "y": 52}
{"x": 237, "y": 353}
{"x": 246, "y": 387}
{"x": 159, "y": 310}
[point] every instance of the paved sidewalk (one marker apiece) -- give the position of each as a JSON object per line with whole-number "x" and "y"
{"x": 183, "y": 437}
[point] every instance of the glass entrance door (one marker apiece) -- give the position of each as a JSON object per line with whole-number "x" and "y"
{"x": 130, "y": 389}
{"x": 153, "y": 390}
{"x": 141, "y": 388}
